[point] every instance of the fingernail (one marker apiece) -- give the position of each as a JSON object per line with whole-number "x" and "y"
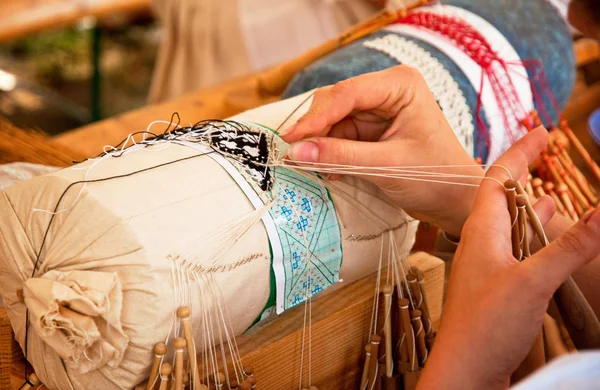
{"x": 287, "y": 130}
{"x": 306, "y": 151}
{"x": 592, "y": 219}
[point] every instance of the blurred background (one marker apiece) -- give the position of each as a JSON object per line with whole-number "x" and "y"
{"x": 67, "y": 63}
{"x": 54, "y": 79}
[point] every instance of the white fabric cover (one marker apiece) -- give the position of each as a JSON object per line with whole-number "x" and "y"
{"x": 103, "y": 272}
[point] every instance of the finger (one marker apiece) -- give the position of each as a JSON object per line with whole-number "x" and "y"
{"x": 514, "y": 161}
{"x": 517, "y": 159}
{"x": 574, "y": 248}
{"x": 327, "y": 150}
{"x": 386, "y": 92}
{"x": 545, "y": 209}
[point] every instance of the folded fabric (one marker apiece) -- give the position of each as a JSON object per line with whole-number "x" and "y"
{"x": 77, "y": 313}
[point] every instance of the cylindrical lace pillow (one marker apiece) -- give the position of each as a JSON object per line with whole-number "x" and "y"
{"x": 529, "y": 36}
{"x": 95, "y": 258}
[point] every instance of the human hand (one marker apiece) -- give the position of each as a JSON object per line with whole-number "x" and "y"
{"x": 389, "y": 119}
{"x": 495, "y": 305}
{"x": 584, "y": 15}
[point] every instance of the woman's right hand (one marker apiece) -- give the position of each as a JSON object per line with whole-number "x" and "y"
{"x": 389, "y": 119}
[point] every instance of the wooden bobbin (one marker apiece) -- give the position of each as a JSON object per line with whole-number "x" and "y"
{"x": 409, "y": 336}
{"x": 252, "y": 381}
{"x": 580, "y": 148}
{"x": 184, "y": 314}
{"x": 537, "y": 187}
{"x": 32, "y": 380}
{"x": 402, "y": 344}
{"x": 201, "y": 386}
{"x": 249, "y": 373}
{"x": 218, "y": 379}
{"x": 415, "y": 291}
{"x": 521, "y": 206}
{"x": 529, "y": 187}
{"x": 410, "y": 380}
{"x": 555, "y": 346}
{"x": 365, "y": 374}
{"x": 165, "y": 372}
{"x": 578, "y": 316}
{"x": 549, "y": 188}
{"x": 373, "y": 362}
{"x": 233, "y": 384}
{"x": 179, "y": 345}
{"x": 417, "y": 325}
{"x": 160, "y": 350}
{"x": 388, "y": 290}
{"x": 577, "y": 194}
{"x": 562, "y": 192}
{"x": 575, "y": 173}
{"x": 245, "y": 386}
{"x": 511, "y": 196}
{"x": 426, "y": 317}
{"x": 248, "y": 370}
{"x": 533, "y": 218}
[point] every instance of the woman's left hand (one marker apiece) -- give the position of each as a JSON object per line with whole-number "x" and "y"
{"x": 496, "y": 304}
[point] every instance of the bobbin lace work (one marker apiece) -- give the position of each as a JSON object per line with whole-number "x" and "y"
{"x": 219, "y": 268}
{"x": 443, "y": 87}
{"x": 461, "y": 27}
{"x": 372, "y": 236}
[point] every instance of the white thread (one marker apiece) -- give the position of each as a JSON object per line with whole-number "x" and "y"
{"x": 440, "y": 82}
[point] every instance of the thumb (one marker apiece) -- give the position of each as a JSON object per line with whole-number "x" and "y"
{"x": 326, "y": 150}
{"x": 573, "y": 249}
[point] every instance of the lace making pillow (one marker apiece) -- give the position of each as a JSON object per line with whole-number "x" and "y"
{"x": 95, "y": 258}
{"x": 452, "y": 45}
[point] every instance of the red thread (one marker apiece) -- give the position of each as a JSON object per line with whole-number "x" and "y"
{"x": 464, "y": 36}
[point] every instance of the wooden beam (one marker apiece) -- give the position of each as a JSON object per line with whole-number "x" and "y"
{"x": 340, "y": 329}
{"x": 19, "y": 18}
{"x": 209, "y": 103}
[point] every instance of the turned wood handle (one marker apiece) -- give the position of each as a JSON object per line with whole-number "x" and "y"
{"x": 579, "y": 318}
{"x": 179, "y": 345}
{"x": 389, "y": 358}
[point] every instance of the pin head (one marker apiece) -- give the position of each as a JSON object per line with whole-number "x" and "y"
{"x": 510, "y": 184}
{"x": 521, "y": 200}
{"x": 183, "y": 312}
{"x": 166, "y": 369}
{"x": 179, "y": 343}
{"x": 245, "y": 386}
{"x": 562, "y": 188}
{"x": 249, "y": 370}
{"x": 402, "y": 302}
{"x": 549, "y": 186}
{"x": 251, "y": 380}
{"x": 160, "y": 349}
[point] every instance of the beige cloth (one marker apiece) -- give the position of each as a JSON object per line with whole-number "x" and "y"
{"x": 78, "y": 314}
{"x": 206, "y": 42}
{"x": 18, "y": 171}
{"x": 123, "y": 231}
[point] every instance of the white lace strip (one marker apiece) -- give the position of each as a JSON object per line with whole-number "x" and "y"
{"x": 499, "y": 136}
{"x": 439, "y": 80}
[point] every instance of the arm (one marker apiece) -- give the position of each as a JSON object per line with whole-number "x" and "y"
{"x": 495, "y": 305}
